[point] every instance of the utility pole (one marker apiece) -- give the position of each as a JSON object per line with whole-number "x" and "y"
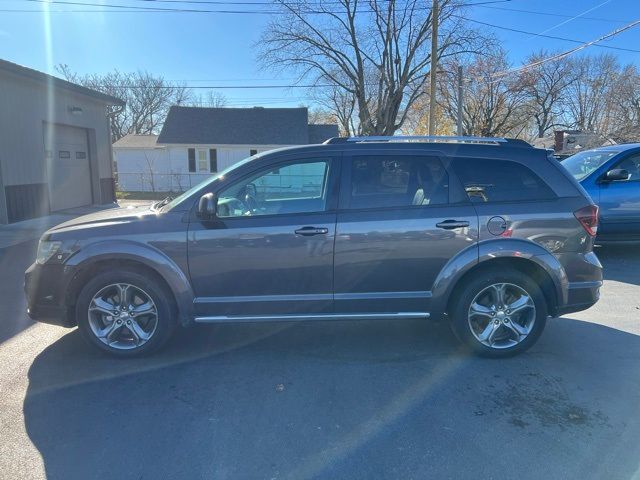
{"x": 460, "y": 93}
{"x": 434, "y": 67}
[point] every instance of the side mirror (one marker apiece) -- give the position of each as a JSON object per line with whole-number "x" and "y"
{"x": 616, "y": 174}
{"x": 207, "y": 206}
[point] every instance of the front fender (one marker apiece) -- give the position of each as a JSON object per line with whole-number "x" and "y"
{"x": 487, "y": 251}
{"x": 144, "y": 254}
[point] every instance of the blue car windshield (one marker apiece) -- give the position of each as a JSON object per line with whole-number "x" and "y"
{"x": 583, "y": 164}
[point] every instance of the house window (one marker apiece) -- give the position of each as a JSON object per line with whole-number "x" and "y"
{"x": 65, "y": 154}
{"x": 253, "y": 152}
{"x": 192, "y": 159}
{"x": 81, "y": 155}
{"x": 213, "y": 160}
{"x": 203, "y": 164}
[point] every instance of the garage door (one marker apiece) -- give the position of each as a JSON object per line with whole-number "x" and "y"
{"x": 68, "y": 167}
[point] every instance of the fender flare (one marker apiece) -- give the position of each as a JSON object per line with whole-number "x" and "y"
{"x": 489, "y": 250}
{"x": 147, "y": 255}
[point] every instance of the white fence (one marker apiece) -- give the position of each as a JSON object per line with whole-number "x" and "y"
{"x": 158, "y": 182}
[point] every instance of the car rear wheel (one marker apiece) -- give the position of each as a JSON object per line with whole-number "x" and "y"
{"x": 125, "y": 313}
{"x": 499, "y": 313}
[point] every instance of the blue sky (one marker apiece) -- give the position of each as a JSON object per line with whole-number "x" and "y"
{"x": 218, "y": 49}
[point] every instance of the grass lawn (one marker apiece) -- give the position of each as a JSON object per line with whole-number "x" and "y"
{"x": 144, "y": 195}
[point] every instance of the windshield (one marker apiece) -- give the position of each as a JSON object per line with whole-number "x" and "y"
{"x": 583, "y": 164}
{"x": 184, "y": 196}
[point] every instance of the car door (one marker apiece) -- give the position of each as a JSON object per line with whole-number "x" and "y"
{"x": 399, "y": 222}
{"x": 619, "y": 202}
{"x": 269, "y": 250}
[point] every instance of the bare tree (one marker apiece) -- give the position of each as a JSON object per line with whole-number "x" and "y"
{"x": 546, "y": 87}
{"x": 625, "y": 105}
{"x": 493, "y": 103}
{"x": 588, "y": 97}
{"x": 341, "y": 104}
{"x": 211, "y": 99}
{"x": 150, "y": 171}
{"x": 147, "y": 98}
{"x": 375, "y": 52}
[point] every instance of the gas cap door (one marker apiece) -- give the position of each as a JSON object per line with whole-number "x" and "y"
{"x": 497, "y": 225}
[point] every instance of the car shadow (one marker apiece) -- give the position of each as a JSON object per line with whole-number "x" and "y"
{"x": 385, "y": 399}
{"x": 619, "y": 262}
{"x": 14, "y": 260}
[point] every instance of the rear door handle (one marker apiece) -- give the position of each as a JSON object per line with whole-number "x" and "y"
{"x": 309, "y": 231}
{"x": 451, "y": 224}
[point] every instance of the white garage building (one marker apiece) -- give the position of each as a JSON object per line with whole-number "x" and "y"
{"x": 196, "y": 142}
{"x": 55, "y": 145}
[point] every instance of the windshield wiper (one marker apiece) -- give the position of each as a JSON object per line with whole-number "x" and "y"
{"x": 161, "y": 203}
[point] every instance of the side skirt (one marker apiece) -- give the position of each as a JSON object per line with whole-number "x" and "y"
{"x": 310, "y": 317}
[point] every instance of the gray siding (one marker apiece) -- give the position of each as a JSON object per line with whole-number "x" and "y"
{"x": 26, "y": 106}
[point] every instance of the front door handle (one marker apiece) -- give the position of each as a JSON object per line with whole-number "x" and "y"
{"x": 451, "y": 224}
{"x": 309, "y": 231}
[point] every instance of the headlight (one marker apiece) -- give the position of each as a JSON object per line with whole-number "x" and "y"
{"x": 46, "y": 250}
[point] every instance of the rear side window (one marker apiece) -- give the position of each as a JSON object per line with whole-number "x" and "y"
{"x": 396, "y": 181}
{"x": 500, "y": 181}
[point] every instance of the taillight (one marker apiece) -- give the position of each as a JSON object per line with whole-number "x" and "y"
{"x": 588, "y": 218}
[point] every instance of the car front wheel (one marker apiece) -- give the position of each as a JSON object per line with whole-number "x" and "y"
{"x": 125, "y": 313}
{"x": 499, "y": 313}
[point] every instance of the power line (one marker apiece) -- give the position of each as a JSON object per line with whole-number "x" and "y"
{"x": 549, "y": 14}
{"x": 564, "y": 22}
{"x": 552, "y": 37}
{"x": 561, "y": 55}
{"x": 213, "y": 87}
{"x": 100, "y": 8}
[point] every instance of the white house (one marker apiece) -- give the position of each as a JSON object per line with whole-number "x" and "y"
{"x": 196, "y": 142}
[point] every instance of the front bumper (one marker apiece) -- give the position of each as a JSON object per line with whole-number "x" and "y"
{"x": 45, "y": 287}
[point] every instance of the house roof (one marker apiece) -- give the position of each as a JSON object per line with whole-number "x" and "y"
{"x": 134, "y": 140}
{"x": 236, "y": 126}
{"x": 57, "y": 82}
{"x": 318, "y": 133}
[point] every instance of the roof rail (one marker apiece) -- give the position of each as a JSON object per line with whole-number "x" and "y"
{"x": 428, "y": 139}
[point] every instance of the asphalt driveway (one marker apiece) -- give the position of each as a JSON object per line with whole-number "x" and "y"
{"x": 383, "y": 399}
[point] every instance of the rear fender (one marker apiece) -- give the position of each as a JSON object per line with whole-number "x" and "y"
{"x": 488, "y": 251}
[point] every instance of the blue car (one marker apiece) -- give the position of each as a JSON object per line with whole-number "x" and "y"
{"x": 611, "y": 175}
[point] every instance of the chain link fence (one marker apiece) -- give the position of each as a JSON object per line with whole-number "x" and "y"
{"x": 158, "y": 182}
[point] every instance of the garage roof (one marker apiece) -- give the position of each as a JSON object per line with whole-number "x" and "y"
{"x": 57, "y": 82}
{"x": 134, "y": 140}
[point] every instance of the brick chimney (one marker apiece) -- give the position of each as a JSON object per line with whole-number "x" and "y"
{"x": 558, "y": 145}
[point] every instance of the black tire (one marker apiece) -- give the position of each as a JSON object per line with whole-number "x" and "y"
{"x": 461, "y": 303}
{"x": 155, "y": 289}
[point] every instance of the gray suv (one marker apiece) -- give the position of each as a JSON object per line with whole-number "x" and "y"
{"x": 488, "y": 233}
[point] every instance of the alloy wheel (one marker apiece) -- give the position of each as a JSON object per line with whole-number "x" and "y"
{"x": 123, "y": 316}
{"x": 502, "y": 315}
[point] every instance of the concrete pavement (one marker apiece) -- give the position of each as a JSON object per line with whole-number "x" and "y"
{"x": 384, "y": 399}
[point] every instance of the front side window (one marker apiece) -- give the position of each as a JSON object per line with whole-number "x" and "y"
{"x": 631, "y": 165}
{"x": 500, "y": 181}
{"x": 396, "y": 181}
{"x": 291, "y": 188}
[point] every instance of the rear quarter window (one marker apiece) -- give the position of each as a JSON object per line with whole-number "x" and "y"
{"x": 488, "y": 181}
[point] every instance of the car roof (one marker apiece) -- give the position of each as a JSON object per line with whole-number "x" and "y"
{"x": 510, "y": 150}
{"x": 622, "y": 147}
